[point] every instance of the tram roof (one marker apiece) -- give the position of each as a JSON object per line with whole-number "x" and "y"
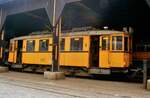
{"x": 81, "y": 33}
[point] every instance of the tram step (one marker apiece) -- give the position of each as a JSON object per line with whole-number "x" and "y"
{"x": 16, "y": 66}
{"x": 99, "y": 71}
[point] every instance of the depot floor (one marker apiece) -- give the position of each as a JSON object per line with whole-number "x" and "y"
{"x": 28, "y": 85}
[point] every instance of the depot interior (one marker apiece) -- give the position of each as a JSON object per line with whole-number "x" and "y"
{"x": 115, "y": 14}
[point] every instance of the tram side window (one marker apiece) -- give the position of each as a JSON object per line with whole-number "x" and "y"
{"x": 30, "y": 45}
{"x": 62, "y": 44}
{"x": 119, "y": 43}
{"x": 76, "y": 44}
{"x": 126, "y": 44}
{"x": 43, "y": 45}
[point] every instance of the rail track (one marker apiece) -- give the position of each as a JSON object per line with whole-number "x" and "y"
{"x": 59, "y": 90}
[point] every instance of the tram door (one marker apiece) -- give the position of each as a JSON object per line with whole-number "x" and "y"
{"x": 19, "y": 51}
{"x": 94, "y": 51}
{"x": 104, "y": 61}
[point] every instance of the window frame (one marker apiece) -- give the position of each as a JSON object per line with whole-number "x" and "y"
{"x": 115, "y": 42}
{"x": 64, "y": 42}
{"x": 47, "y": 45}
{"x": 80, "y": 43}
{"x": 27, "y": 46}
{"x": 107, "y": 41}
{"x": 123, "y": 42}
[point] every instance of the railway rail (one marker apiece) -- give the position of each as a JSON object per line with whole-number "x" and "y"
{"x": 70, "y": 92}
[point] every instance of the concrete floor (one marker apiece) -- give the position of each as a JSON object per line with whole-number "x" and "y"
{"x": 25, "y": 85}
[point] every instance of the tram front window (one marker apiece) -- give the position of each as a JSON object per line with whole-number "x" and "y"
{"x": 117, "y": 43}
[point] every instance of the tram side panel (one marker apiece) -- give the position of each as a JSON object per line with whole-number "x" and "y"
{"x": 75, "y": 52}
{"x": 33, "y": 53}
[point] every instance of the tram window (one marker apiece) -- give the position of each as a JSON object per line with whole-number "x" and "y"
{"x": 126, "y": 44}
{"x": 113, "y": 43}
{"x": 62, "y": 44}
{"x": 30, "y": 45}
{"x": 104, "y": 43}
{"x": 76, "y": 44}
{"x": 43, "y": 45}
{"x": 119, "y": 43}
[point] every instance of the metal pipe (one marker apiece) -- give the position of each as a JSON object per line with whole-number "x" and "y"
{"x": 145, "y": 70}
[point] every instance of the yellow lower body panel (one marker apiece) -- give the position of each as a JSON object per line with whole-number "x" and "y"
{"x": 117, "y": 60}
{"x": 75, "y": 59}
{"x": 104, "y": 59}
{"x": 114, "y": 59}
{"x": 37, "y": 58}
{"x": 66, "y": 59}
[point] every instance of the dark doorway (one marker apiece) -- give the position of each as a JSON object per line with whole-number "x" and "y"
{"x": 94, "y": 51}
{"x": 19, "y": 52}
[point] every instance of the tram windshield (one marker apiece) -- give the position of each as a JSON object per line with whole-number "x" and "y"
{"x": 120, "y": 43}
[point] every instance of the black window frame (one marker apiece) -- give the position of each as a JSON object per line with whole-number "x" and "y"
{"x": 30, "y": 47}
{"x": 62, "y": 44}
{"x": 76, "y": 44}
{"x": 43, "y": 45}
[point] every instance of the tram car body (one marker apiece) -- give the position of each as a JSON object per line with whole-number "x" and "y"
{"x": 95, "y": 52}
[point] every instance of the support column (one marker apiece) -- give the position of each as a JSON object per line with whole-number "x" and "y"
{"x": 54, "y": 9}
{"x": 1, "y": 48}
{"x": 56, "y": 28}
{"x": 2, "y": 18}
{"x": 55, "y": 73}
{"x": 56, "y": 43}
{"x": 145, "y": 74}
{"x": 55, "y": 51}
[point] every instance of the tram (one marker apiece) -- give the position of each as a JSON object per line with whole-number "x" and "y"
{"x": 92, "y": 51}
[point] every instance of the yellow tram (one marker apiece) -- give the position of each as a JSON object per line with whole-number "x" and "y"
{"x": 96, "y": 52}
